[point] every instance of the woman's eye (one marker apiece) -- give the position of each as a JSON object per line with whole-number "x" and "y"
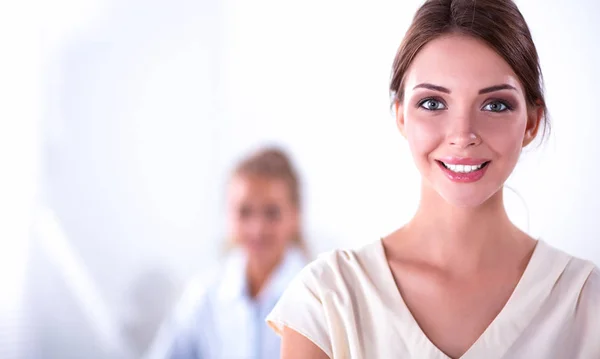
{"x": 244, "y": 212}
{"x": 431, "y": 104}
{"x": 495, "y": 106}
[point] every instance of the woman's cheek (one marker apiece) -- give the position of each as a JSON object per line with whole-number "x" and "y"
{"x": 423, "y": 133}
{"x": 504, "y": 136}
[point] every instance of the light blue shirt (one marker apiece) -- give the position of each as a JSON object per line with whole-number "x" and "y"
{"x": 221, "y": 321}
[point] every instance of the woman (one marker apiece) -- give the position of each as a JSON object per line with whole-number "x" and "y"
{"x": 226, "y": 318}
{"x": 459, "y": 280}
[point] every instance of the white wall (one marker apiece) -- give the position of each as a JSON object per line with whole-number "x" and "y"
{"x": 150, "y": 103}
{"x": 19, "y": 169}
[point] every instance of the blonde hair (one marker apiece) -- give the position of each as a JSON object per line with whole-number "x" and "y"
{"x": 274, "y": 163}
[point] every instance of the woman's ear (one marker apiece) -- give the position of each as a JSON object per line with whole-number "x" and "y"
{"x": 534, "y": 120}
{"x": 399, "y": 111}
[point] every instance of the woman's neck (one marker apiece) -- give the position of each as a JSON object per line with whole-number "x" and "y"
{"x": 462, "y": 239}
{"x": 258, "y": 272}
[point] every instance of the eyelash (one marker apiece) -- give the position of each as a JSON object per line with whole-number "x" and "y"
{"x": 505, "y": 103}
{"x": 427, "y": 99}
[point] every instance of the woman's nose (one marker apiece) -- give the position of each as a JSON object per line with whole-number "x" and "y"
{"x": 464, "y": 139}
{"x": 257, "y": 225}
{"x": 462, "y": 132}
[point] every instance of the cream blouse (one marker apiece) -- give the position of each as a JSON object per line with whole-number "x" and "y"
{"x": 347, "y": 303}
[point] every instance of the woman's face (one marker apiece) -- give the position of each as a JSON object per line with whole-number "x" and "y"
{"x": 262, "y": 218}
{"x": 465, "y": 117}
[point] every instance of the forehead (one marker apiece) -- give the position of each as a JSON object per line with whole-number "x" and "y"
{"x": 257, "y": 188}
{"x": 459, "y": 62}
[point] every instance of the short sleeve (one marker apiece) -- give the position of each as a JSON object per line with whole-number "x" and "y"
{"x": 588, "y": 314}
{"x": 301, "y": 308}
{"x": 590, "y": 296}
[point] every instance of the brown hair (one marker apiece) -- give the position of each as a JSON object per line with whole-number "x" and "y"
{"x": 499, "y": 23}
{"x": 274, "y": 163}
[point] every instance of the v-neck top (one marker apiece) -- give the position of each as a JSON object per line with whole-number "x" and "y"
{"x": 347, "y": 303}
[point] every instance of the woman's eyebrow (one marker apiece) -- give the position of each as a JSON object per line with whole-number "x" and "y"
{"x": 481, "y": 92}
{"x": 432, "y": 87}
{"x": 497, "y": 88}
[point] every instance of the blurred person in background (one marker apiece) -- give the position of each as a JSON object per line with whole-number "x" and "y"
{"x": 226, "y": 318}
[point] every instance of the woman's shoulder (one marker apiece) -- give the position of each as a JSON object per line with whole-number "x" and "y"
{"x": 195, "y": 295}
{"x": 584, "y": 278}
{"x": 342, "y": 267}
{"x": 590, "y": 293}
{"x": 206, "y": 286}
{"x": 586, "y": 314}
{"x": 580, "y": 278}
{"x": 328, "y": 292}
{"x": 593, "y": 284}
{"x": 575, "y": 267}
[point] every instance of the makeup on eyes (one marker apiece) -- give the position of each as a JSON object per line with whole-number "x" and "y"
{"x": 423, "y": 101}
{"x": 508, "y": 101}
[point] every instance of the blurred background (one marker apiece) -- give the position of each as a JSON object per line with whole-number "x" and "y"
{"x": 121, "y": 121}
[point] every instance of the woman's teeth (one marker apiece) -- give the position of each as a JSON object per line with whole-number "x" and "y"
{"x": 463, "y": 168}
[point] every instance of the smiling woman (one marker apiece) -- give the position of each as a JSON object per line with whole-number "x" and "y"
{"x": 459, "y": 280}
{"x": 468, "y": 110}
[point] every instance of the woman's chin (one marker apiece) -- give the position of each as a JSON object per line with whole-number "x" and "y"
{"x": 261, "y": 252}
{"x": 471, "y": 198}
